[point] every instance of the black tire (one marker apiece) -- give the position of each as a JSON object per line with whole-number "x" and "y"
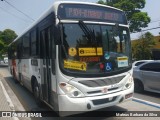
{"x": 138, "y": 86}
{"x": 36, "y": 92}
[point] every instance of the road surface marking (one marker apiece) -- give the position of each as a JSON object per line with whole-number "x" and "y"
{"x": 147, "y": 102}
{"x": 8, "y": 99}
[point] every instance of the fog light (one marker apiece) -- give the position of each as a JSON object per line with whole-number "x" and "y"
{"x": 75, "y": 93}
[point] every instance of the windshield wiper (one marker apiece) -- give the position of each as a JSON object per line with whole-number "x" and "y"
{"x": 88, "y": 32}
{"x": 64, "y": 44}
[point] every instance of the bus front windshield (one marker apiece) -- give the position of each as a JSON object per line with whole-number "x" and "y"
{"x": 94, "y": 49}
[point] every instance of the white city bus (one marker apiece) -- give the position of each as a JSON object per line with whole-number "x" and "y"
{"x": 76, "y": 57}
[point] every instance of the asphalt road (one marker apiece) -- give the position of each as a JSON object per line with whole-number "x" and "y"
{"x": 24, "y": 100}
{"x": 148, "y": 96}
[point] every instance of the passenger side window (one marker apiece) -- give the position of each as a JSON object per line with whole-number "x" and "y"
{"x": 19, "y": 49}
{"x": 26, "y": 46}
{"x": 155, "y": 67}
{"x": 33, "y": 43}
{"x": 139, "y": 63}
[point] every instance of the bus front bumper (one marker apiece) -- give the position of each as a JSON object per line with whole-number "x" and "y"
{"x": 69, "y": 106}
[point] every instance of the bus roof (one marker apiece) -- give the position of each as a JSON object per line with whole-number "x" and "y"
{"x": 56, "y": 3}
{"x": 54, "y": 7}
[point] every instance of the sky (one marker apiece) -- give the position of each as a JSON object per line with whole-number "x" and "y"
{"x": 30, "y": 10}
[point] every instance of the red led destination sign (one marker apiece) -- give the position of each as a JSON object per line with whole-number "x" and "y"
{"x": 90, "y": 12}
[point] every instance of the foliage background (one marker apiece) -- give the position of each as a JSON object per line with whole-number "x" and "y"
{"x": 6, "y": 37}
{"x": 154, "y": 44}
{"x": 132, "y": 8}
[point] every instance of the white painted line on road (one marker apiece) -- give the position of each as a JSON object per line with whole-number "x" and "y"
{"x": 146, "y": 102}
{"x": 8, "y": 99}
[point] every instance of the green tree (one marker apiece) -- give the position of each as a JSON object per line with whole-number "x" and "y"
{"x": 142, "y": 50}
{"x": 136, "y": 19}
{"x": 6, "y": 37}
{"x": 2, "y": 46}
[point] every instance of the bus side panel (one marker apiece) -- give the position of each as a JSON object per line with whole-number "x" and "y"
{"x": 30, "y": 69}
{"x": 35, "y": 70}
{"x": 26, "y": 75}
{"x": 14, "y": 63}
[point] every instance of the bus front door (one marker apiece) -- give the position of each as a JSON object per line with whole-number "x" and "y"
{"x": 46, "y": 64}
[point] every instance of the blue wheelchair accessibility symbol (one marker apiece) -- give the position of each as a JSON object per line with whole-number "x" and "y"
{"x": 108, "y": 66}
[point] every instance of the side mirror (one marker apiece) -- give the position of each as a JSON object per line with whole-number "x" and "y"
{"x": 57, "y": 35}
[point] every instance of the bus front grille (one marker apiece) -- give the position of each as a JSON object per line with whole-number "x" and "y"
{"x": 102, "y": 82}
{"x": 100, "y": 91}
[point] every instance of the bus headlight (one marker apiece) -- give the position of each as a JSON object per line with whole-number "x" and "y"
{"x": 129, "y": 83}
{"x": 70, "y": 90}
